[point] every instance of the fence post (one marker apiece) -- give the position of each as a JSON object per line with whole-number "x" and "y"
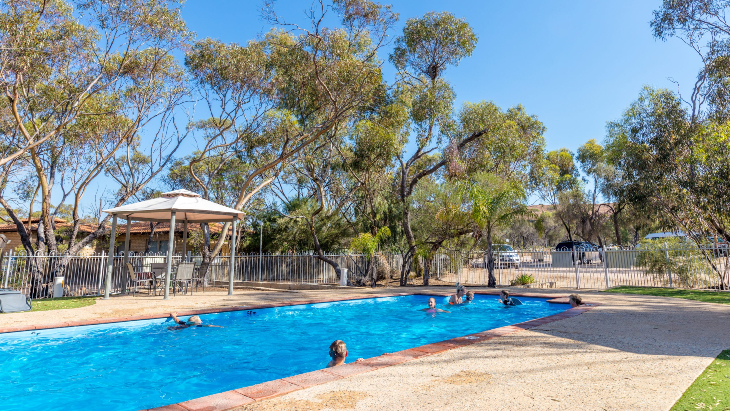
{"x": 605, "y": 266}
{"x": 669, "y": 271}
{"x": 7, "y": 269}
{"x": 101, "y": 270}
{"x": 577, "y": 274}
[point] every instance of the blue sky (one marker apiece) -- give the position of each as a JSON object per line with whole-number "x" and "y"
{"x": 575, "y": 64}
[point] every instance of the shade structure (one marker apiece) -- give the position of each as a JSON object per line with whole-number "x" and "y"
{"x": 178, "y": 205}
{"x": 187, "y": 205}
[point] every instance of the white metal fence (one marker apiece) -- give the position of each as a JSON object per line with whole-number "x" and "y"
{"x": 85, "y": 275}
{"x": 656, "y": 266}
{"x": 683, "y": 267}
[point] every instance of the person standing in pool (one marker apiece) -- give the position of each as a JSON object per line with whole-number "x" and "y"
{"x": 432, "y": 307}
{"x": 193, "y": 321}
{"x": 506, "y": 300}
{"x": 338, "y": 353}
{"x": 456, "y": 299}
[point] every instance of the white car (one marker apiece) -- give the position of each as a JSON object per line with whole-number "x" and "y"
{"x": 506, "y": 256}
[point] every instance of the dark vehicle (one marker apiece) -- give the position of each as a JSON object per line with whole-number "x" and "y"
{"x": 587, "y": 251}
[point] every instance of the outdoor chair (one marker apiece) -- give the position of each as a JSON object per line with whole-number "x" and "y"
{"x": 158, "y": 272}
{"x": 135, "y": 280}
{"x": 199, "y": 279}
{"x": 184, "y": 276}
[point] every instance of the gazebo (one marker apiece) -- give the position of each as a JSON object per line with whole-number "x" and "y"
{"x": 179, "y": 204}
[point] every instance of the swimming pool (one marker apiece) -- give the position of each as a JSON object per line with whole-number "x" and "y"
{"x": 141, "y": 364}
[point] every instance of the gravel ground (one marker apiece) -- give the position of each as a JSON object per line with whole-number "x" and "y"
{"x": 631, "y": 353}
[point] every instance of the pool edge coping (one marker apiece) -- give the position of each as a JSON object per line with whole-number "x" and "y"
{"x": 246, "y": 395}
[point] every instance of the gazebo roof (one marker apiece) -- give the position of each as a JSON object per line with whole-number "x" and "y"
{"x": 188, "y": 206}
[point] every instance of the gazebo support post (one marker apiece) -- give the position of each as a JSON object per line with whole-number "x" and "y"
{"x": 185, "y": 240}
{"x": 110, "y": 259}
{"x": 126, "y": 255}
{"x": 170, "y": 247}
{"x": 231, "y": 270}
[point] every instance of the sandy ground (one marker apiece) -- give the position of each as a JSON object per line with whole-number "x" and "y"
{"x": 631, "y": 353}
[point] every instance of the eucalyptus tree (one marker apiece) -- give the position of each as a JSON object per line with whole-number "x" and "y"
{"x": 83, "y": 79}
{"x": 559, "y": 175}
{"x": 325, "y": 207}
{"x": 438, "y": 215}
{"x": 273, "y": 97}
{"x": 475, "y": 139}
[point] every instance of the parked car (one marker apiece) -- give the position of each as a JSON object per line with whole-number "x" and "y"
{"x": 587, "y": 251}
{"x": 505, "y": 255}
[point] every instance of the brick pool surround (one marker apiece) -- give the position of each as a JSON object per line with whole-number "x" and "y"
{"x": 242, "y": 396}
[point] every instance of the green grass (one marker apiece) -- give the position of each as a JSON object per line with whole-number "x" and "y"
{"x": 719, "y": 297}
{"x": 62, "y": 303}
{"x": 711, "y": 390}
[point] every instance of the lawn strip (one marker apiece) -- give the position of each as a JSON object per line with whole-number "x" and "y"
{"x": 711, "y": 390}
{"x": 708, "y": 296}
{"x": 62, "y": 303}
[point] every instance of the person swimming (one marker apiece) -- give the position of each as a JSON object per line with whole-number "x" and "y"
{"x": 432, "y": 307}
{"x": 469, "y": 296}
{"x": 193, "y": 321}
{"x": 507, "y": 300}
{"x": 575, "y": 300}
{"x": 456, "y": 299}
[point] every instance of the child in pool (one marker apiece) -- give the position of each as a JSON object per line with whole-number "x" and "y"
{"x": 506, "y": 300}
{"x": 469, "y": 296}
{"x": 456, "y": 299}
{"x": 432, "y": 307}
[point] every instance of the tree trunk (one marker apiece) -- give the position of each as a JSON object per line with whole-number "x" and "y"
{"x": 405, "y": 269}
{"x": 152, "y": 233}
{"x": 492, "y": 282}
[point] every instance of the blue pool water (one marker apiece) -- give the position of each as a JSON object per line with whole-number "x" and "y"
{"x": 141, "y": 364}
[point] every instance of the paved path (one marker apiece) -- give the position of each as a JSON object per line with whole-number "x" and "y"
{"x": 630, "y": 353}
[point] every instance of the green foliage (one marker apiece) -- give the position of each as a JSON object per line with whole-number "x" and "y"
{"x": 495, "y": 202}
{"x": 431, "y": 43}
{"x": 523, "y": 279}
{"x": 683, "y": 259}
{"x": 367, "y": 244}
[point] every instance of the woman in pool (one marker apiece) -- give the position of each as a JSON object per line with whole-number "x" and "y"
{"x": 432, "y": 307}
{"x": 456, "y": 299}
{"x": 193, "y": 321}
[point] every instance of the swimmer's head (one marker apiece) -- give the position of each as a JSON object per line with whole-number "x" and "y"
{"x": 338, "y": 349}
{"x": 431, "y": 302}
{"x": 460, "y": 290}
{"x": 469, "y": 295}
{"x": 194, "y": 320}
{"x": 575, "y": 300}
{"x": 504, "y": 294}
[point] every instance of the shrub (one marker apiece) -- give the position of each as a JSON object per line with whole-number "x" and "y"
{"x": 524, "y": 279}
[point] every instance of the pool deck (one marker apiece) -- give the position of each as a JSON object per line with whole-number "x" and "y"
{"x": 628, "y": 352}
